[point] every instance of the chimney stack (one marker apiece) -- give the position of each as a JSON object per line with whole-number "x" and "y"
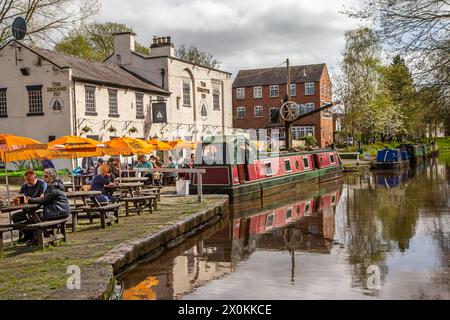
{"x": 162, "y": 46}
{"x": 124, "y": 45}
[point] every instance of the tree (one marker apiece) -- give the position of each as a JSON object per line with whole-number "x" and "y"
{"x": 419, "y": 29}
{"x": 358, "y": 80}
{"x": 196, "y": 56}
{"x": 95, "y": 41}
{"x": 45, "y": 18}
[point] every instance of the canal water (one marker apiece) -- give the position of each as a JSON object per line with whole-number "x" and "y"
{"x": 367, "y": 236}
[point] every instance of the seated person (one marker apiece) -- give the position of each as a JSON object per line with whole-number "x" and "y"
{"x": 170, "y": 177}
{"x": 55, "y": 202}
{"x": 144, "y": 164}
{"x": 32, "y": 188}
{"x": 114, "y": 168}
{"x": 100, "y": 180}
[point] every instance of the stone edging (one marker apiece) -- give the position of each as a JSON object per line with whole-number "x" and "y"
{"x": 98, "y": 279}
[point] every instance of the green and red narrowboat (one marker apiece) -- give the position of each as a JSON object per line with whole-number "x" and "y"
{"x": 235, "y": 167}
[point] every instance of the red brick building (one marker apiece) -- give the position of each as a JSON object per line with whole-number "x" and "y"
{"x": 258, "y": 93}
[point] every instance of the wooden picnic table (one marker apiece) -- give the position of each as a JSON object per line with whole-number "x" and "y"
{"x": 76, "y": 209}
{"x": 131, "y": 180}
{"x": 131, "y": 189}
{"x": 28, "y": 208}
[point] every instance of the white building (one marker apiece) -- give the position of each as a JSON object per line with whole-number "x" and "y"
{"x": 201, "y": 98}
{"x": 45, "y": 94}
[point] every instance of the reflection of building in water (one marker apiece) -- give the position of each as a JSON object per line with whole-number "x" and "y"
{"x": 303, "y": 225}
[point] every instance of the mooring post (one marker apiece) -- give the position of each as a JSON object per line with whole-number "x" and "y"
{"x": 200, "y": 186}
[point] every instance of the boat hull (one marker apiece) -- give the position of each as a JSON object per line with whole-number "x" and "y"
{"x": 276, "y": 187}
{"x": 389, "y": 165}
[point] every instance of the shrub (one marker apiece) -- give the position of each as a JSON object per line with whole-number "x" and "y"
{"x": 309, "y": 141}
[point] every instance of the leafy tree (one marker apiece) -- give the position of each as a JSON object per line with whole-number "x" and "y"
{"x": 196, "y": 56}
{"x": 45, "y": 18}
{"x": 358, "y": 80}
{"x": 95, "y": 41}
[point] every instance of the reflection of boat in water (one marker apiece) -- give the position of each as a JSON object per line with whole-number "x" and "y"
{"x": 235, "y": 167}
{"x": 304, "y": 224}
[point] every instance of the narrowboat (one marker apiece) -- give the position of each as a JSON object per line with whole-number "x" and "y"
{"x": 390, "y": 159}
{"x": 235, "y": 167}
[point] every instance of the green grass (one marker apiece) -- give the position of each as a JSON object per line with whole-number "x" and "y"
{"x": 443, "y": 143}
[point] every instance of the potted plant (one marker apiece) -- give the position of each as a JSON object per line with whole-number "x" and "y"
{"x": 86, "y": 129}
{"x": 112, "y": 129}
{"x": 133, "y": 130}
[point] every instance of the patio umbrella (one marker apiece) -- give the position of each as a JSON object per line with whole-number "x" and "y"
{"x": 72, "y": 147}
{"x": 182, "y": 144}
{"x": 16, "y": 148}
{"x": 159, "y": 145}
{"x": 127, "y": 147}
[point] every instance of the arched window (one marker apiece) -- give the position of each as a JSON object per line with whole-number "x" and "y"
{"x": 204, "y": 110}
{"x": 187, "y": 88}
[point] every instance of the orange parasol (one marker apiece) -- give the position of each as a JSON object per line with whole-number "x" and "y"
{"x": 182, "y": 144}
{"x": 159, "y": 145}
{"x": 127, "y": 147}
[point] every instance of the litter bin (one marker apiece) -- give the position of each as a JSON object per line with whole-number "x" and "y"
{"x": 182, "y": 187}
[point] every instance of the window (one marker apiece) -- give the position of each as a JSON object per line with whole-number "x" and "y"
{"x": 287, "y": 164}
{"x": 241, "y": 112}
{"x": 258, "y": 112}
{"x": 332, "y": 159}
{"x": 89, "y": 97}
{"x": 293, "y": 90}
{"x": 216, "y": 99}
{"x": 310, "y": 107}
{"x": 274, "y": 91}
{"x": 186, "y": 93}
{"x": 269, "y": 221}
{"x": 289, "y": 214}
{"x": 309, "y": 89}
{"x": 139, "y": 106}
{"x": 300, "y": 132}
{"x": 257, "y": 92}
{"x": 240, "y": 93}
{"x": 3, "y": 103}
{"x": 203, "y": 110}
{"x": 113, "y": 109}
{"x": 268, "y": 168}
{"x": 35, "y": 100}
{"x": 306, "y": 162}
{"x": 274, "y": 116}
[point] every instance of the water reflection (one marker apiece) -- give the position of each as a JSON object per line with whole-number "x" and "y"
{"x": 318, "y": 245}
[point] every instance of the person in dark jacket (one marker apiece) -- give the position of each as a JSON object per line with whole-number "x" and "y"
{"x": 102, "y": 179}
{"x": 55, "y": 202}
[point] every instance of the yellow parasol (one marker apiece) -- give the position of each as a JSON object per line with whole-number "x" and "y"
{"x": 143, "y": 291}
{"x": 127, "y": 147}
{"x": 73, "y": 146}
{"x": 159, "y": 145}
{"x": 182, "y": 144}
{"x": 16, "y": 148}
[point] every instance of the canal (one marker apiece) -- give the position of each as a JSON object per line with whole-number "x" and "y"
{"x": 367, "y": 236}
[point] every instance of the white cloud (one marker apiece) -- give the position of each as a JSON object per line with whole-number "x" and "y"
{"x": 242, "y": 34}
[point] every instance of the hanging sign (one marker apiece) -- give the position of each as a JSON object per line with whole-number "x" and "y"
{"x": 159, "y": 112}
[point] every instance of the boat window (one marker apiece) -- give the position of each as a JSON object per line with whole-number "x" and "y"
{"x": 269, "y": 221}
{"x": 287, "y": 163}
{"x": 306, "y": 162}
{"x": 332, "y": 158}
{"x": 333, "y": 200}
{"x": 298, "y": 210}
{"x": 297, "y": 164}
{"x": 289, "y": 214}
{"x": 268, "y": 168}
{"x": 321, "y": 159}
{"x": 307, "y": 208}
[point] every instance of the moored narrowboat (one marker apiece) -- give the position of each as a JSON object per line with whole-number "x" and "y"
{"x": 390, "y": 159}
{"x": 235, "y": 167}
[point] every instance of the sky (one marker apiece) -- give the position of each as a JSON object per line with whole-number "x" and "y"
{"x": 242, "y": 34}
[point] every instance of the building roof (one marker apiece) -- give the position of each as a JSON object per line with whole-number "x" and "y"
{"x": 98, "y": 72}
{"x": 273, "y": 76}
